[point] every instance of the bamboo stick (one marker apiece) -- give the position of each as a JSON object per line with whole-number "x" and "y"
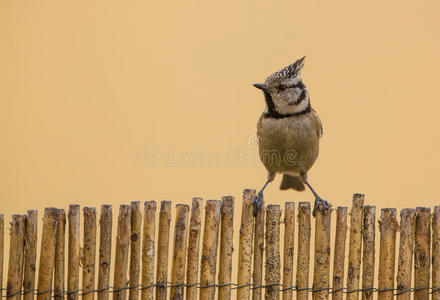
{"x": 60, "y": 240}
{"x": 422, "y": 253}
{"x": 209, "y": 249}
{"x": 303, "y": 258}
{"x": 121, "y": 254}
{"x": 192, "y": 270}
{"x": 148, "y": 250}
{"x": 321, "y": 272}
{"x": 354, "y": 251}
{"x": 435, "y": 255}
{"x": 74, "y": 255}
{"x": 245, "y": 246}
{"x": 369, "y": 250}
{"x": 406, "y": 252}
{"x": 2, "y": 246}
{"x": 387, "y": 254}
{"x": 179, "y": 252}
{"x": 163, "y": 246}
{"x": 289, "y": 239}
{"x": 30, "y": 255}
{"x": 272, "y": 271}
{"x": 339, "y": 256}
{"x": 135, "y": 249}
{"x": 89, "y": 253}
{"x": 47, "y": 253}
{"x": 257, "y": 273}
{"x": 226, "y": 247}
{"x": 105, "y": 243}
{"x": 16, "y": 254}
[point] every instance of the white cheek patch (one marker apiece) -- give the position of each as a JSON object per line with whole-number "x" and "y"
{"x": 301, "y": 106}
{"x": 297, "y": 92}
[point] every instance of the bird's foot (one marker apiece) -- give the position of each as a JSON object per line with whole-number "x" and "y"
{"x": 256, "y": 203}
{"x": 322, "y": 205}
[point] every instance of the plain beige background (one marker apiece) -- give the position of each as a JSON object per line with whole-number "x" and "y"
{"x": 114, "y": 101}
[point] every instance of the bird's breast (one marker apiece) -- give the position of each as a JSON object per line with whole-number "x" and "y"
{"x": 291, "y": 143}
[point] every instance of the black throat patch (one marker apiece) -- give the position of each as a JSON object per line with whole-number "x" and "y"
{"x": 272, "y": 113}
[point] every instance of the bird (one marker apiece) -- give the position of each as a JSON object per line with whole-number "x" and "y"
{"x": 288, "y": 133}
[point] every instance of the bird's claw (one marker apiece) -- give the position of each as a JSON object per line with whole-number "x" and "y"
{"x": 256, "y": 203}
{"x": 322, "y": 205}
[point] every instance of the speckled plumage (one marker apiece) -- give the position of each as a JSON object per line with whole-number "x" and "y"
{"x": 291, "y": 71}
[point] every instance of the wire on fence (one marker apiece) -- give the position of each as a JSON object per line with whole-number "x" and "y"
{"x": 233, "y": 286}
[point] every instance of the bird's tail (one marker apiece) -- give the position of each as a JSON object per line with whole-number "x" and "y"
{"x": 292, "y": 182}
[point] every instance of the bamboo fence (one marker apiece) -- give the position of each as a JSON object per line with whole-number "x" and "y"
{"x": 195, "y": 260}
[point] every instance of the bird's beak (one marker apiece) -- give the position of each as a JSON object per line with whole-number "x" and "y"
{"x": 260, "y": 86}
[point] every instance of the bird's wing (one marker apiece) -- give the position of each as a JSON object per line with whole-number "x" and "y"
{"x": 320, "y": 130}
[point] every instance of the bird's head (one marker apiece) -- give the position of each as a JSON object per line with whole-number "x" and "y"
{"x": 285, "y": 90}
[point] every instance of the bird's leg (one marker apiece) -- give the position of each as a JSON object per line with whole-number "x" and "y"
{"x": 258, "y": 199}
{"x": 319, "y": 203}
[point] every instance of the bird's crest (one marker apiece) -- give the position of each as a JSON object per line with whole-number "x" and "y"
{"x": 291, "y": 71}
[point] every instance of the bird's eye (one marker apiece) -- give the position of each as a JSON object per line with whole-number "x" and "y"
{"x": 281, "y": 88}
